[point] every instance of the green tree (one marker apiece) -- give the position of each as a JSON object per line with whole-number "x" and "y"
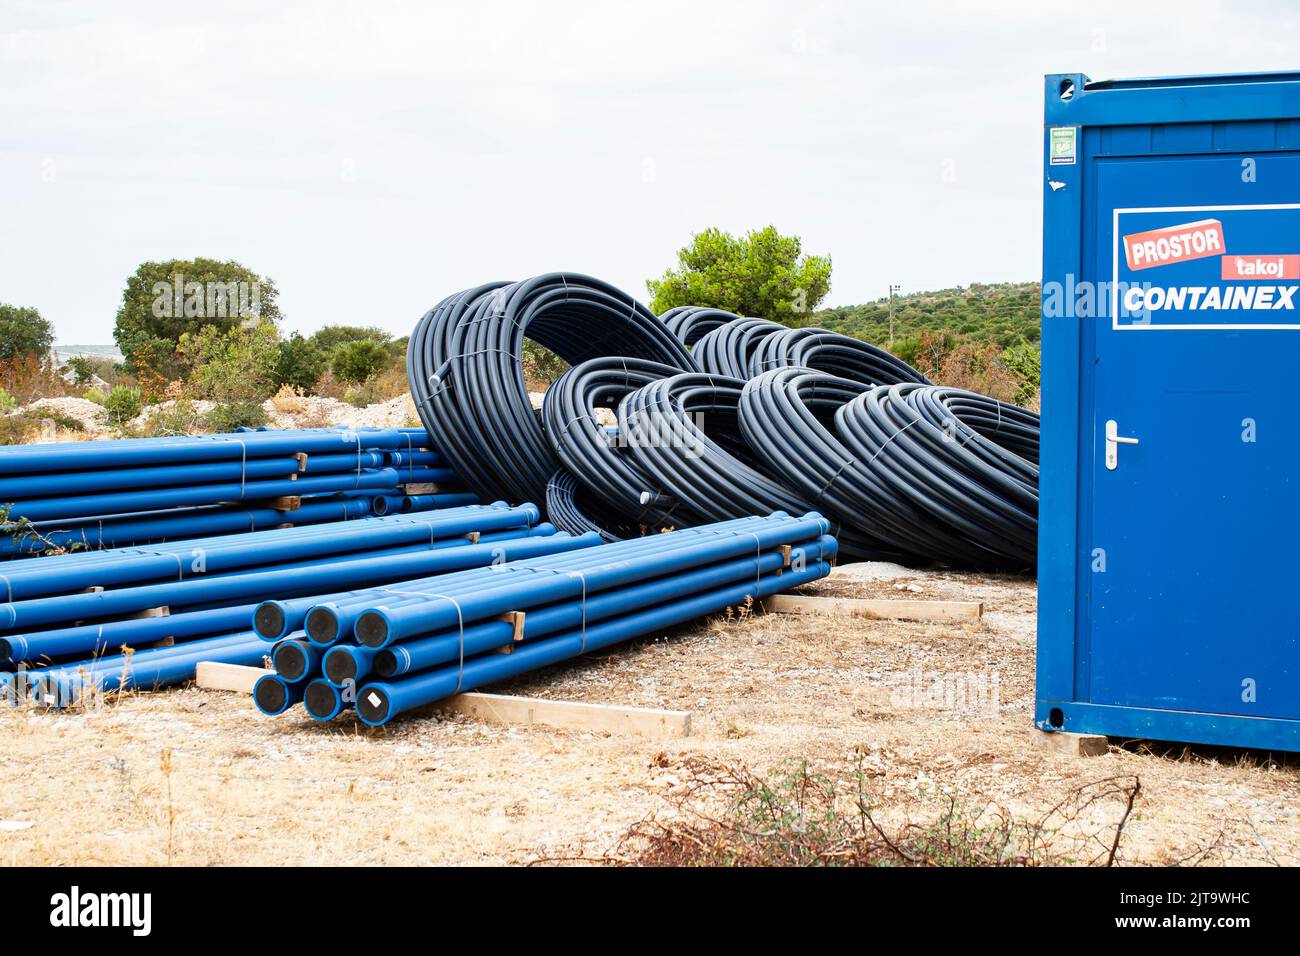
{"x": 23, "y": 331}
{"x": 356, "y": 362}
{"x": 299, "y": 363}
{"x": 330, "y": 337}
{"x": 83, "y": 370}
{"x": 762, "y": 274}
{"x": 164, "y": 300}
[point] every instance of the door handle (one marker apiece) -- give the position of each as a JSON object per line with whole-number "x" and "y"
{"x": 1113, "y": 441}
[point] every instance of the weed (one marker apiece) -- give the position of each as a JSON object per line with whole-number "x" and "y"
{"x": 729, "y": 816}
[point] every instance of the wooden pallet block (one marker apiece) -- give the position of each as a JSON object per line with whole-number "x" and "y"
{"x": 214, "y": 675}
{"x": 282, "y": 503}
{"x": 1070, "y": 744}
{"x": 508, "y": 711}
{"x": 419, "y": 488}
{"x": 501, "y": 709}
{"x": 875, "y": 608}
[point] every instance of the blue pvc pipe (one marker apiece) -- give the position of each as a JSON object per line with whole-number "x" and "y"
{"x": 347, "y": 663}
{"x": 312, "y": 577}
{"x": 46, "y": 509}
{"x": 325, "y": 628}
{"x": 346, "y": 461}
{"x": 274, "y": 619}
{"x": 296, "y": 661}
{"x": 63, "y": 574}
{"x": 322, "y": 700}
{"x": 91, "y": 639}
{"x": 243, "y": 446}
{"x": 383, "y": 625}
{"x": 63, "y": 484}
{"x": 182, "y": 523}
{"x": 273, "y": 695}
{"x": 449, "y": 499}
{"x": 57, "y": 687}
{"x": 485, "y": 636}
{"x": 427, "y": 475}
{"x": 379, "y": 702}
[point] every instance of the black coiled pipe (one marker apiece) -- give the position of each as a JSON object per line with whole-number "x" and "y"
{"x": 690, "y": 323}
{"x": 834, "y": 354}
{"x": 967, "y": 461}
{"x": 788, "y": 418}
{"x": 569, "y": 506}
{"x": 729, "y": 349}
{"x": 684, "y": 433}
{"x": 600, "y": 458}
{"x": 464, "y": 364}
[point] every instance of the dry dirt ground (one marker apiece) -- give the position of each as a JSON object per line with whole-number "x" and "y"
{"x": 766, "y": 690}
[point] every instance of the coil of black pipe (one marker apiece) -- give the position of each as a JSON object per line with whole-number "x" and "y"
{"x": 690, "y": 323}
{"x": 729, "y": 349}
{"x": 684, "y": 433}
{"x": 834, "y": 354}
{"x": 788, "y": 418}
{"x": 570, "y": 507}
{"x": 589, "y": 451}
{"x": 967, "y": 460}
{"x": 464, "y": 365}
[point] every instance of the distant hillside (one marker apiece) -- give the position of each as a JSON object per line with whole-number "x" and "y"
{"x": 64, "y": 352}
{"x": 1005, "y": 314}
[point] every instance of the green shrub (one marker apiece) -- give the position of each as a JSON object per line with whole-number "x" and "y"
{"x": 7, "y": 402}
{"x": 1026, "y": 363}
{"x": 357, "y": 362}
{"x": 299, "y": 363}
{"x": 232, "y": 415}
{"x": 123, "y": 404}
{"x": 95, "y": 394}
{"x": 235, "y": 367}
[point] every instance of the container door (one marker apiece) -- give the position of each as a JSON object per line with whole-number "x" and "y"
{"x": 1192, "y": 567}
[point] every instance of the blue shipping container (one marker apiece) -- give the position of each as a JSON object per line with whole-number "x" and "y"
{"x": 1169, "y": 524}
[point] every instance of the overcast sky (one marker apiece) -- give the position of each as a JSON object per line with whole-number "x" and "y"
{"x": 373, "y": 157}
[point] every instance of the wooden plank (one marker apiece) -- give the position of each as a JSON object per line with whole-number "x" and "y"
{"x": 502, "y": 709}
{"x": 213, "y": 675}
{"x": 875, "y": 608}
{"x": 420, "y": 488}
{"x": 570, "y": 715}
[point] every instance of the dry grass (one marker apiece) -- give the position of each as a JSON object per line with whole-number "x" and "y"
{"x": 766, "y": 691}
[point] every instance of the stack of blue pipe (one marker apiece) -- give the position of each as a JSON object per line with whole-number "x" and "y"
{"x": 62, "y": 614}
{"x": 113, "y": 493}
{"x": 386, "y": 650}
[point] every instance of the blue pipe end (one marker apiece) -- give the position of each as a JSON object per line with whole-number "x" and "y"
{"x": 273, "y": 695}
{"x": 322, "y": 700}
{"x": 270, "y": 621}
{"x": 374, "y": 628}
{"x": 344, "y": 665}
{"x": 294, "y": 661}
{"x": 322, "y": 625}
{"x": 374, "y": 706}
{"x": 13, "y": 648}
{"x": 392, "y": 661}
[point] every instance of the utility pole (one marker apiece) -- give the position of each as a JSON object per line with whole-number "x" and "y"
{"x": 892, "y": 290}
